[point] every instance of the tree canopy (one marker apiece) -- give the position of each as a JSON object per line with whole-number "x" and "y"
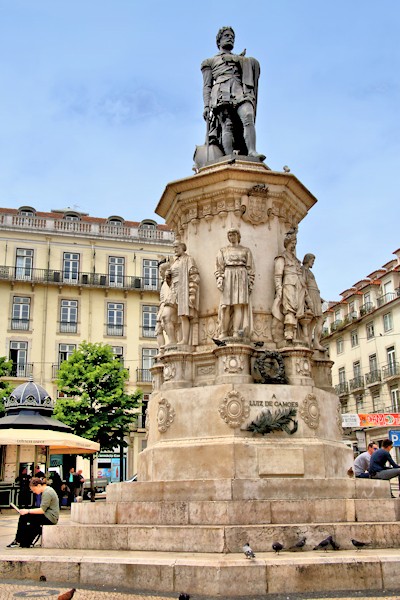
{"x": 5, "y": 387}
{"x": 98, "y": 407}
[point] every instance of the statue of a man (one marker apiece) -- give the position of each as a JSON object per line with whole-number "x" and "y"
{"x": 230, "y": 83}
{"x": 235, "y": 279}
{"x": 316, "y": 303}
{"x": 166, "y": 321}
{"x": 292, "y": 303}
{"x": 183, "y": 297}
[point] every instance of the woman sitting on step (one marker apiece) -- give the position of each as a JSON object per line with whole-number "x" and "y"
{"x": 31, "y": 519}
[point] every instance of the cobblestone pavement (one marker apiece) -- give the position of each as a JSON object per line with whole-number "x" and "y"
{"x": 13, "y": 590}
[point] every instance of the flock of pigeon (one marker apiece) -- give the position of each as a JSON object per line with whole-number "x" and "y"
{"x": 324, "y": 544}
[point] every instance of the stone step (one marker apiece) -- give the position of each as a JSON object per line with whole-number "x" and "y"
{"x": 209, "y": 575}
{"x": 215, "y": 539}
{"x": 268, "y": 488}
{"x": 243, "y": 512}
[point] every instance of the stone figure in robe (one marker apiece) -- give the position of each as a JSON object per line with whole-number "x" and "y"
{"x": 292, "y": 303}
{"x": 235, "y": 276}
{"x": 315, "y": 328}
{"x": 166, "y": 321}
{"x": 230, "y": 84}
{"x": 182, "y": 302}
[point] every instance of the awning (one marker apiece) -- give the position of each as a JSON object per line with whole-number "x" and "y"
{"x": 59, "y": 442}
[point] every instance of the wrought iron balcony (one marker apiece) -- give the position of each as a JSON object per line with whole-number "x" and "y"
{"x": 386, "y": 298}
{"x": 373, "y": 377}
{"x": 22, "y": 370}
{"x": 366, "y": 308}
{"x": 390, "y": 370}
{"x": 54, "y": 371}
{"x": 143, "y": 375}
{"x": 68, "y": 327}
{"x": 19, "y": 324}
{"x": 115, "y": 330}
{"x": 148, "y": 332}
{"x": 342, "y": 388}
{"x": 356, "y": 383}
{"x": 80, "y": 279}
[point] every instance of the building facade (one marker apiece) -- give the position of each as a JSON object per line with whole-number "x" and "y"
{"x": 66, "y": 277}
{"x": 362, "y": 335}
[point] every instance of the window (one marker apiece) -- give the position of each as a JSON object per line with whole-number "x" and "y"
{"x": 352, "y": 308}
{"x": 19, "y": 355}
{"x": 71, "y": 267}
{"x": 391, "y": 355}
{"x": 373, "y": 363}
{"x": 68, "y": 316}
{"x": 387, "y": 287}
{"x": 150, "y": 274}
{"x": 116, "y": 221}
{"x": 149, "y": 316}
{"x": 342, "y": 375}
{"x": 65, "y": 351}
{"x": 376, "y": 402}
{"x": 367, "y": 298}
{"x": 148, "y": 357}
{"x": 118, "y": 352}
{"x": 357, "y": 369}
{"x": 360, "y": 403}
{"x": 395, "y": 398}
{"x": 24, "y": 264}
{"x": 339, "y": 346}
{"x": 115, "y": 319}
{"x": 370, "y": 330}
{"x": 387, "y": 322}
{"x": 337, "y": 315}
{"x": 21, "y": 308}
{"x": 354, "y": 338}
{"x": 71, "y": 217}
{"x": 141, "y": 422}
{"x": 26, "y": 211}
{"x": 116, "y": 271}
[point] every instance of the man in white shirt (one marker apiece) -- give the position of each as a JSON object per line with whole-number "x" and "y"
{"x": 361, "y": 463}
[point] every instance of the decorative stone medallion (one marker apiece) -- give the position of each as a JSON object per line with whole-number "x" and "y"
{"x": 303, "y": 367}
{"x": 233, "y": 364}
{"x": 310, "y": 412}
{"x": 169, "y": 371}
{"x": 165, "y": 415}
{"x": 234, "y": 409}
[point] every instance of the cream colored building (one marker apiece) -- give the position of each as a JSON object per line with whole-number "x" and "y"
{"x": 362, "y": 333}
{"x": 66, "y": 277}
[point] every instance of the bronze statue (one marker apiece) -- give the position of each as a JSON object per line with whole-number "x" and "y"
{"x": 230, "y": 83}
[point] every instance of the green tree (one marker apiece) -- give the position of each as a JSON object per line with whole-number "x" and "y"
{"x": 5, "y": 387}
{"x": 99, "y": 409}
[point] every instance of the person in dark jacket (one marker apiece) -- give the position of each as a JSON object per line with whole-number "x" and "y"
{"x": 25, "y": 496}
{"x": 377, "y": 464}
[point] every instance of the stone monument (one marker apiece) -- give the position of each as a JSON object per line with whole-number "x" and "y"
{"x": 244, "y": 429}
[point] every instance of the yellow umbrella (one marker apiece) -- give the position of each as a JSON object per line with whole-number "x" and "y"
{"x": 59, "y": 442}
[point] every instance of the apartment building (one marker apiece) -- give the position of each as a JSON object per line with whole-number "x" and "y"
{"x": 66, "y": 277}
{"x": 362, "y": 335}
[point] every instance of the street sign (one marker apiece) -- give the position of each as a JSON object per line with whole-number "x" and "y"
{"x": 394, "y": 435}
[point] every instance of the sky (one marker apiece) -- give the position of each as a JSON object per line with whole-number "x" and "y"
{"x": 101, "y": 106}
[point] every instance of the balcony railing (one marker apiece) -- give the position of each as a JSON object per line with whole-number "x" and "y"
{"x": 144, "y": 375}
{"x": 115, "y": 330}
{"x": 19, "y": 324}
{"x": 386, "y": 298}
{"x": 356, "y": 383}
{"x": 50, "y": 276}
{"x": 336, "y": 324}
{"x": 390, "y": 370}
{"x": 53, "y": 224}
{"x": 148, "y": 332}
{"x": 366, "y": 308}
{"x": 373, "y": 377}
{"x": 342, "y": 388}
{"x": 23, "y": 370}
{"x": 68, "y": 326}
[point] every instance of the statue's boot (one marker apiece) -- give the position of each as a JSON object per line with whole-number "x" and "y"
{"x": 249, "y": 133}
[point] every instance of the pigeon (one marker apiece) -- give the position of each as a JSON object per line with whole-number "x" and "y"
{"x": 259, "y": 344}
{"x": 358, "y": 545}
{"x": 299, "y": 545}
{"x": 68, "y": 595}
{"x": 286, "y": 169}
{"x": 42, "y": 578}
{"x": 184, "y": 596}
{"x": 248, "y": 552}
{"x": 277, "y": 547}
{"x": 334, "y": 545}
{"x": 218, "y": 342}
{"x": 323, "y": 545}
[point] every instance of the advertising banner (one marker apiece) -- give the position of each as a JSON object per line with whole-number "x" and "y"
{"x": 371, "y": 420}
